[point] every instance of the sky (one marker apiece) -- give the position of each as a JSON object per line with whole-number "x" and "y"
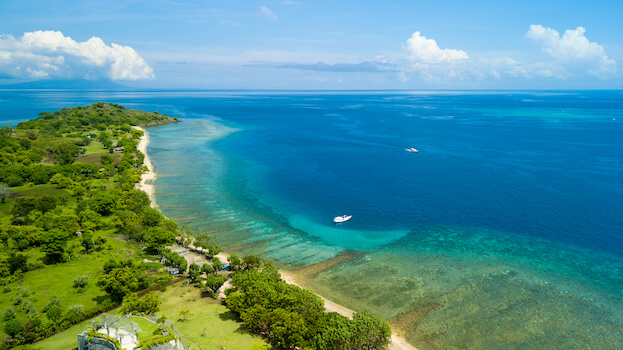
{"x": 309, "y": 45}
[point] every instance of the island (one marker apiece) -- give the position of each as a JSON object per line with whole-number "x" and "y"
{"x": 87, "y": 257}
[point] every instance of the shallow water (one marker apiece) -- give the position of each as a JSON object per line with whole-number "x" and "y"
{"x": 503, "y": 232}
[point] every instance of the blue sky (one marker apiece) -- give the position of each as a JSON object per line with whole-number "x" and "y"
{"x": 316, "y": 44}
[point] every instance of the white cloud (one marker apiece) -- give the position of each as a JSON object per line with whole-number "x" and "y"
{"x": 506, "y": 67}
{"x": 424, "y": 50}
{"x": 267, "y": 13}
{"x": 50, "y": 54}
{"x": 573, "y": 48}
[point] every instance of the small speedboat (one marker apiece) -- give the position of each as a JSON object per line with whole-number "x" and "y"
{"x": 343, "y": 218}
{"x": 412, "y": 150}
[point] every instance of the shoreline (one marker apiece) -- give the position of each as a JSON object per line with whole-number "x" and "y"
{"x": 147, "y": 179}
{"x": 146, "y": 184}
{"x": 397, "y": 342}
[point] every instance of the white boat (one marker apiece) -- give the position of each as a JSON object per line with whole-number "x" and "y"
{"x": 342, "y": 218}
{"x": 412, "y": 150}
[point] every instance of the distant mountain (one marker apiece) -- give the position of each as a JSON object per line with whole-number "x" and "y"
{"x": 68, "y": 85}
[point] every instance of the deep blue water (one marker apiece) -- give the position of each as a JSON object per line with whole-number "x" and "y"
{"x": 549, "y": 167}
{"x": 507, "y": 226}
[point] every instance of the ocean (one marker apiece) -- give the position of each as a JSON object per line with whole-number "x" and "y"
{"x": 505, "y": 230}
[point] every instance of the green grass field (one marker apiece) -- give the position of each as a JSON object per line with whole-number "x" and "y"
{"x": 222, "y": 328}
{"x": 65, "y": 340}
{"x": 221, "y": 325}
{"x": 57, "y": 280}
{"x": 38, "y": 191}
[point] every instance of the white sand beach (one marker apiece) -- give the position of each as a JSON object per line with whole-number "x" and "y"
{"x": 147, "y": 179}
{"x": 398, "y": 342}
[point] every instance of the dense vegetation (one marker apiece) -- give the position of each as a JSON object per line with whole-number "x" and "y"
{"x": 67, "y": 197}
{"x": 78, "y": 239}
{"x": 291, "y": 317}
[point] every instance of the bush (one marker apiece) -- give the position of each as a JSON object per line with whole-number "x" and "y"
{"x": 75, "y": 313}
{"x": 81, "y": 281}
{"x": 13, "y": 327}
{"x": 54, "y": 313}
{"x": 14, "y": 180}
{"x": 8, "y": 314}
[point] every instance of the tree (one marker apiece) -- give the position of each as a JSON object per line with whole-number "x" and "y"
{"x": 120, "y": 282}
{"x": 183, "y": 265}
{"x": 8, "y": 314}
{"x": 370, "y": 331}
{"x": 13, "y": 327}
{"x": 81, "y": 281}
{"x": 194, "y": 271}
{"x": 125, "y": 127}
{"x": 212, "y": 283}
{"x": 216, "y": 262}
{"x": 136, "y": 200}
{"x": 78, "y": 191}
{"x": 46, "y": 203}
{"x": 17, "y": 261}
{"x": 149, "y": 304}
{"x": 65, "y": 222}
{"x": 184, "y": 314}
{"x": 66, "y": 152}
{"x": 6, "y": 131}
{"x": 87, "y": 242}
{"x": 251, "y": 262}
{"x": 53, "y": 245}
{"x": 89, "y": 216}
{"x": 159, "y": 237}
{"x": 129, "y": 223}
{"x": 137, "y": 133}
{"x": 207, "y": 268}
{"x": 234, "y": 262}
{"x": 22, "y": 206}
{"x": 288, "y": 329}
{"x": 205, "y": 241}
{"x": 39, "y": 175}
{"x": 103, "y": 203}
{"x": 14, "y": 180}
{"x": 54, "y": 301}
{"x": 75, "y": 313}
{"x": 54, "y": 312}
{"x": 61, "y": 181}
{"x": 4, "y": 191}
{"x": 106, "y": 159}
{"x": 335, "y": 334}
{"x": 112, "y": 264}
{"x": 151, "y": 217}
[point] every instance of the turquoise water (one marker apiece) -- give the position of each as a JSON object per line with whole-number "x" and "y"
{"x": 504, "y": 231}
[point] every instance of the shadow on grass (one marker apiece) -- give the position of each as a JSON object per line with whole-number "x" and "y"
{"x": 232, "y": 316}
{"x": 100, "y": 299}
{"x": 209, "y": 295}
{"x": 229, "y": 316}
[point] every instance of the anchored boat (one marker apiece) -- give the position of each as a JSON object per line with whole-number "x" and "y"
{"x": 343, "y": 218}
